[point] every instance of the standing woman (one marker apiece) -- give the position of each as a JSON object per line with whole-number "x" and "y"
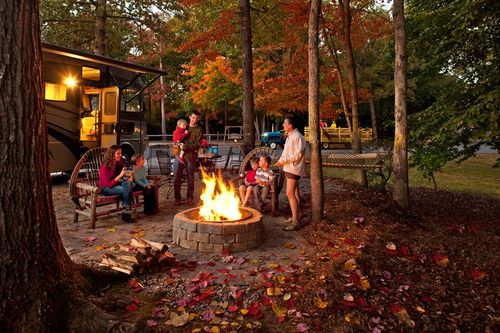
{"x": 294, "y": 167}
{"x": 111, "y": 179}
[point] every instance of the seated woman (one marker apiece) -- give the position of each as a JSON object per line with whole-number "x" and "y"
{"x": 112, "y": 180}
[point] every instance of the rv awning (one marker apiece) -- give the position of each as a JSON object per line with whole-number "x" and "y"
{"x": 54, "y": 49}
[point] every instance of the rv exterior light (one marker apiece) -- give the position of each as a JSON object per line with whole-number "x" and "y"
{"x": 70, "y": 82}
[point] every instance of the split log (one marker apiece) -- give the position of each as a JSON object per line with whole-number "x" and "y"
{"x": 150, "y": 257}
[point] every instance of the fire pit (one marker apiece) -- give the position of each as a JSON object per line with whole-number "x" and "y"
{"x": 219, "y": 223}
{"x": 191, "y": 232}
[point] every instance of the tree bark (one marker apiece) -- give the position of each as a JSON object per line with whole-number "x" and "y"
{"x": 333, "y": 51}
{"x": 400, "y": 153}
{"x": 162, "y": 103}
{"x": 100, "y": 24}
{"x": 373, "y": 114}
{"x": 34, "y": 264}
{"x": 247, "y": 66}
{"x": 39, "y": 285}
{"x": 345, "y": 10}
{"x": 317, "y": 196}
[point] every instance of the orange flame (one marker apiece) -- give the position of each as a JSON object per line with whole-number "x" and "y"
{"x": 220, "y": 201}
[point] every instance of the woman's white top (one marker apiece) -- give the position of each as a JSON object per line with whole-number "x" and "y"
{"x": 293, "y": 158}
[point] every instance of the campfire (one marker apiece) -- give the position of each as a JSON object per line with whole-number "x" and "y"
{"x": 220, "y": 201}
{"x": 219, "y": 223}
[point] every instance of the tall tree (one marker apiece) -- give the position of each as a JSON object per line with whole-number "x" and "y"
{"x": 34, "y": 262}
{"x": 346, "y": 18}
{"x": 318, "y": 195}
{"x": 100, "y": 27}
{"x": 247, "y": 79}
{"x": 400, "y": 153}
{"x": 39, "y": 285}
{"x": 457, "y": 48}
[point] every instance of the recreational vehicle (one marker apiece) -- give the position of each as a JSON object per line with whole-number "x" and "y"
{"x": 93, "y": 101}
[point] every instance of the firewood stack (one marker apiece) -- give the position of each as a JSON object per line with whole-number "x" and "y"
{"x": 142, "y": 256}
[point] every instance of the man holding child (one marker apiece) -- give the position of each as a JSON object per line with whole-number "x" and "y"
{"x": 192, "y": 142}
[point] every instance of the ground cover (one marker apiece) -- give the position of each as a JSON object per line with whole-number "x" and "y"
{"x": 475, "y": 175}
{"x": 368, "y": 267}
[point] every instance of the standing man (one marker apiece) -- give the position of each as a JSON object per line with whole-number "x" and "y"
{"x": 191, "y": 145}
{"x": 294, "y": 167}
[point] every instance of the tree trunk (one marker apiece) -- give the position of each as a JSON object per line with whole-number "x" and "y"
{"x": 34, "y": 262}
{"x": 400, "y": 153}
{"x": 100, "y": 25}
{"x": 38, "y": 282}
{"x": 355, "y": 134}
{"x": 162, "y": 104}
{"x": 373, "y": 113}
{"x": 247, "y": 64}
{"x": 333, "y": 51}
{"x": 207, "y": 127}
{"x": 317, "y": 196}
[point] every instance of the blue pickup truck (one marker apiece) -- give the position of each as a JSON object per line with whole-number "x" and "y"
{"x": 273, "y": 139}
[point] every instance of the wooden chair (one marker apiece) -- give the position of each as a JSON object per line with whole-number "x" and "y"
{"x": 166, "y": 170}
{"x": 85, "y": 192}
{"x": 277, "y": 185}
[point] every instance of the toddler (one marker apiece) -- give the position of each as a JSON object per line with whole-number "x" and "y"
{"x": 180, "y": 134}
{"x": 264, "y": 176}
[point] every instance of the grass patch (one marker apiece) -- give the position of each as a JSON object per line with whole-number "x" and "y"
{"x": 475, "y": 175}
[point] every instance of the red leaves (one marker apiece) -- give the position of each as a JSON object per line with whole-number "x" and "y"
{"x": 441, "y": 259}
{"x": 132, "y": 307}
{"x": 136, "y": 286}
{"x": 477, "y": 274}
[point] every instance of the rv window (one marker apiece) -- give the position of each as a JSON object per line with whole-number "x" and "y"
{"x": 90, "y": 73}
{"x": 55, "y": 92}
{"x": 110, "y": 103}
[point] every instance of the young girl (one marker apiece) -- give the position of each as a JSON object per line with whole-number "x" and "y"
{"x": 112, "y": 180}
{"x": 246, "y": 189}
{"x": 180, "y": 134}
{"x": 141, "y": 184}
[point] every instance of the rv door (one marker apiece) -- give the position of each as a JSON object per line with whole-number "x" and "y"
{"x": 109, "y": 116}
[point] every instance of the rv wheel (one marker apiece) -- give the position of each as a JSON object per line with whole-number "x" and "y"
{"x": 325, "y": 145}
{"x": 273, "y": 145}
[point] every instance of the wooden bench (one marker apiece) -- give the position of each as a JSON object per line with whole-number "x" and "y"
{"x": 277, "y": 185}
{"x": 85, "y": 192}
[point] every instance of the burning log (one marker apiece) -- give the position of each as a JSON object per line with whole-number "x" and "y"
{"x": 150, "y": 257}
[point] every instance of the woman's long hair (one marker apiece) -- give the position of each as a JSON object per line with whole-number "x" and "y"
{"x": 109, "y": 156}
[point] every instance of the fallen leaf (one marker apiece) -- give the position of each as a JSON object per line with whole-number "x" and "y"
{"x": 274, "y": 291}
{"x": 441, "y": 259}
{"x": 90, "y": 239}
{"x": 244, "y": 311}
{"x": 419, "y": 309}
{"x": 477, "y": 274}
{"x": 390, "y": 246}
{"x": 215, "y": 329}
{"x": 178, "y": 320}
{"x": 132, "y": 307}
{"x": 302, "y": 327}
{"x": 111, "y": 230}
{"x": 233, "y": 308}
{"x": 320, "y": 303}
{"x": 287, "y": 296}
{"x": 196, "y": 330}
{"x": 350, "y": 265}
{"x": 151, "y": 323}
{"x": 290, "y": 246}
{"x": 402, "y": 315}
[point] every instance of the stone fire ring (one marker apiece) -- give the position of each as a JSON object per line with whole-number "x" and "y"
{"x": 238, "y": 236}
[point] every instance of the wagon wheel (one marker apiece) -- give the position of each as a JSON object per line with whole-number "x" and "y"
{"x": 261, "y": 151}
